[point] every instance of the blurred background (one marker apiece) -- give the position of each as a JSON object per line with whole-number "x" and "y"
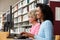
{"x": 14, "y": 18}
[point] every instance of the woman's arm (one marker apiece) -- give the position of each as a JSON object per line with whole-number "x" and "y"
{"x": 48, "y": 30}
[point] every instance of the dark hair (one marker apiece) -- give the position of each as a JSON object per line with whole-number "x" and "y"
{"x": 46, "y": 10}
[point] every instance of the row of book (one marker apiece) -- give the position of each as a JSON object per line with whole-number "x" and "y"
{"x": 21, "y": 15}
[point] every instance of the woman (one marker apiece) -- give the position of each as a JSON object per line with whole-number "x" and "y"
{"x": 33, "y": 20}
{"x": 45, "y": 15}
{"x": 35, "y": 25}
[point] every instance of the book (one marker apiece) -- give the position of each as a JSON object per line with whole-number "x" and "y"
{"x": 24, "y": 10}
{"x": 25, "y": 17}
{"x": 15, "y": 14}
{"x": 19, "y": 12}
{"x": 20, "y": 5}
{"x": 19, "y": 19}
{"x": 31, "y": 1}
{"x": 15, "y": 20}
{"x": 24, "y": 2}
{"x": 15, "y": 8}
{"x": 32, "y": 6}
{"x": 42, "y": 1}
{"x": 15, "y": 26}
{"x": 19, "y": 30}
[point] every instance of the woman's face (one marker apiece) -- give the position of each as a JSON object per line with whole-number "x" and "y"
{"x": 38, "y": 13}
{"x": 31, "y": 19}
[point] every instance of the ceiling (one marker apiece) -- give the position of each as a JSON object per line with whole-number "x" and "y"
{"x": 5, "y": 4}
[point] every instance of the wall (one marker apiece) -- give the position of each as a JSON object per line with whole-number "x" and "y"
{"x": 4, "y": 4}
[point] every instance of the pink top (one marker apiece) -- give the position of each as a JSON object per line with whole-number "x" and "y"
{"x": 34, "y": 29}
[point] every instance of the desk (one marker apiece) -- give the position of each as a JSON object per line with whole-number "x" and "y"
{"x": 4, "y": 35}
{"x": 10, "y": 39}
{"x": 18, "y": 39}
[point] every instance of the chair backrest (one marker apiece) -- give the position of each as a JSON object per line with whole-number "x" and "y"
{"x": 57, "y": 37}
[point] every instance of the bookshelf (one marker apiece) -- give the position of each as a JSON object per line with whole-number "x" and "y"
{"x": 20, "y": 14}
{"x": 20, "y": 11}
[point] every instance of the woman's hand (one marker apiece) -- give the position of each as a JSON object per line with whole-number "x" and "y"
{"x": 27, "y": 34}
{"x": 30, "y": 35}
{"x": 23, "y": 33}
